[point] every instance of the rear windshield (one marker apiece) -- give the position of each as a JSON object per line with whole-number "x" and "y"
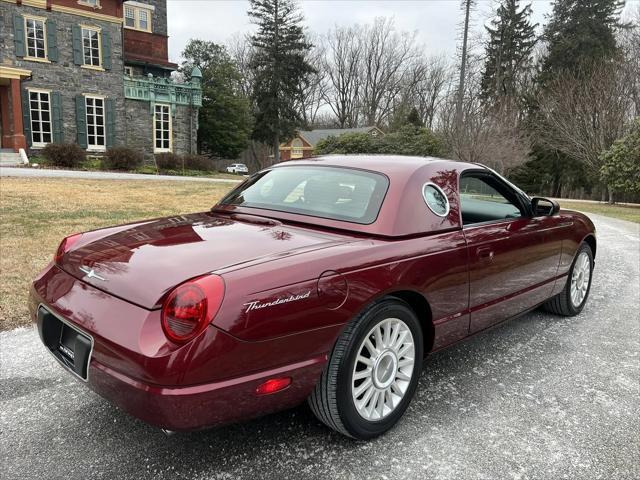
{"x": 327, "y": 192}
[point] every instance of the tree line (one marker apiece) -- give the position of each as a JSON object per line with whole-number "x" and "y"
{"x": 551, "y": 106}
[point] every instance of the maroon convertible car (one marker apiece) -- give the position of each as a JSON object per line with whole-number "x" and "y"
{"x": 326, "y": 280}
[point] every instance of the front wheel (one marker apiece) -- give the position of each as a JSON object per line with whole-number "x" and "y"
{"x": 372, "y": 373}
{"x": 571, "y": 300}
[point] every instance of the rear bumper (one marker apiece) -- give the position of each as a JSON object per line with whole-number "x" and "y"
{"x": 201, "y": 406}
{"x": 209, "y": 381}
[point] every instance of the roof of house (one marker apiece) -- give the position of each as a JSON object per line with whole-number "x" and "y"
{"x": 314, "y": 136}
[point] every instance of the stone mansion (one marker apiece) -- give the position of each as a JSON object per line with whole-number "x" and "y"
{"x": 93, "y": 72}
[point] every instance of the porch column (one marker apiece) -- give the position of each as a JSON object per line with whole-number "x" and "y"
{"x": 19, "y": 141}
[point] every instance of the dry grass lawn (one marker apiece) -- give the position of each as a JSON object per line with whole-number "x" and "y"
{"x": 631, "y": 214}
{"x": 35, "y": 214}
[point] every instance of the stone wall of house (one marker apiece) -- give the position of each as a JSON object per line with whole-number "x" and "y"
{"x": 64, "y": 76}
{"x": 139, "y": 128}
{"x": 185, "y": 130}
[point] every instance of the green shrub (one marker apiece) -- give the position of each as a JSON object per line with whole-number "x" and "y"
{"x": 168, "y": 161}
{"x": 122, "y": 158}
{"x": 69, "y": 155}
{"x": 197, "y": 162}
{"x": 621, "y": 163}
{"x": 409, "y": 140}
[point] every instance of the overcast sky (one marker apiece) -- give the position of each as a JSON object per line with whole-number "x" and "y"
{"x": 435, "y": 21}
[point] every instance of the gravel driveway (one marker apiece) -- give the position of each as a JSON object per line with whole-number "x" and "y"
{"x": 540, "y": 397}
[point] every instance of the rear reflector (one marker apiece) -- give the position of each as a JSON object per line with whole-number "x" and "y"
{"x": 273, "y": 385}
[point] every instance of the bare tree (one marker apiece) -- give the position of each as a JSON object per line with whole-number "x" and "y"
{"x": 240, "y": 48}
{"x": 467, "y": 6}
{"x": 342, "y": 66}
{"x": 430, "y": 87}
{"x": 629, "y": 41}
{"x": 385, "y": 57}
{"x": 582, "y": 115}
{"x": 474, "y": 132}
{"x": 312, "y": 90}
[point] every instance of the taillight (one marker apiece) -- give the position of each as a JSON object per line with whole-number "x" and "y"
{"x": 65, "y": 246}
{"x": 190, "y": 307}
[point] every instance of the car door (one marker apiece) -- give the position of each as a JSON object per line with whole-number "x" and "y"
{"x": 512, "y": 258}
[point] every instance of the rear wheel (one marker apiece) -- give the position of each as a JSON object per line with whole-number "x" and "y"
{"x": 571, "y": 300}
{"x": 372, "y": 373}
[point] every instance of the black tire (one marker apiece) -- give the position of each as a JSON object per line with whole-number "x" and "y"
{"x": 561, "y": 304}
{"x": 332, "y": 402}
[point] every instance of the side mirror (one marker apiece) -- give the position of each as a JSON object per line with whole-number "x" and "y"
{"x": 544, "y": 207}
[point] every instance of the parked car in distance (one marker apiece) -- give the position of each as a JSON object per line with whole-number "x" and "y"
{"x": 237, "y": 168}
{"x": 327, "y": 280}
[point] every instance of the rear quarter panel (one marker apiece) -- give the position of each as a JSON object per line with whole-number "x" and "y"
{"x": 434, "y": 266}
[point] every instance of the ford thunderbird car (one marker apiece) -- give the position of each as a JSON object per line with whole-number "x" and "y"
{"x": 327, "y": 280}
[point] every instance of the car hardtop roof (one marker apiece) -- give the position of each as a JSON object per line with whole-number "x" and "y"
{"x": 393, "y": 166}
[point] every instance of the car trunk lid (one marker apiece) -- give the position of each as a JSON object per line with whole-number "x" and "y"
{"x": 142, "y": 262}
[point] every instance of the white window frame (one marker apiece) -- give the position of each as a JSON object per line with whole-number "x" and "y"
{"x": 27, "y": 39}
{"x": 137, "y": 11}
{"x": 128, "y": 71}
{"x": 96, "y": 147}
{"x": 98, "y": 31}
{"x": 163, "y": 149}
{"x": 41, "y": 123}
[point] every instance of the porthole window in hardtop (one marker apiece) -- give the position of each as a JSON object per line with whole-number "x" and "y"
{"x": 435, "y": 199}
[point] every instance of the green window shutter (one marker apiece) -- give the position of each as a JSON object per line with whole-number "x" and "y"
{"x": 52, "y": 41}
{"x": 110, "y": 122}
{"x": 18, "y": 35}
{"x": 56, "y": 117}
{"x": 106, "y": 50}
{"x": 26, "y": 116}
{"x": 77, "y": 45}
{"x": 81, "y": 120}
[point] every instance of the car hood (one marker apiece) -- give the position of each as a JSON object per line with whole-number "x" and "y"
{"x": 141, "y": 262}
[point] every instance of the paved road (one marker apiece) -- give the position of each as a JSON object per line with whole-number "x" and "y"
{"x": 44, "y": 173}
{"x": 537, "y": 398}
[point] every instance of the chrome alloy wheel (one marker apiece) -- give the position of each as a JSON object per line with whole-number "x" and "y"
{"x": 383, "y": 369}
{"x": 580, "y": 277}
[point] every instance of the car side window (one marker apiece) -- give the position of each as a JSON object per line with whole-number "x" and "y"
{"x": 484, "y": 199}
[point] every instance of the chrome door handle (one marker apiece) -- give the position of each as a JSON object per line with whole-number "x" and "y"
{"x": 485, "y": 254}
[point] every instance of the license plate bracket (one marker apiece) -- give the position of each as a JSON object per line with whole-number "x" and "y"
{"x": 68, "y": 344}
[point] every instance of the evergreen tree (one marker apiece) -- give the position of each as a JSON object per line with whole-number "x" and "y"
{"x": 279, "y": 68}
{"x": 414, "y": 118}
{"x": 508, "y": 51}
{"x": 224, "y": 120}
{"x": 580, "y": 32}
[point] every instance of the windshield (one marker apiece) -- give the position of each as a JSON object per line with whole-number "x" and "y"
{"x": 327, "y": 192}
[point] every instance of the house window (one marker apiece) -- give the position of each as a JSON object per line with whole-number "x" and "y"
{"x": 95, "y": 123}
{"x": 91, "y": 46}
{"x": 36, "y": 37}
{"x": 138, "y": 18}
{"x": 40, "y": 110}
{"x": 296, "y": 148}
{"x": 90, "y": 3}
{"x": 128, "y": 71}
{"x": 162, "y": 128}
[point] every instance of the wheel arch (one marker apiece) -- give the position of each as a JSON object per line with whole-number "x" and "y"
{"x": 591, "y": 241}
{"x": 420, "y": 306}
